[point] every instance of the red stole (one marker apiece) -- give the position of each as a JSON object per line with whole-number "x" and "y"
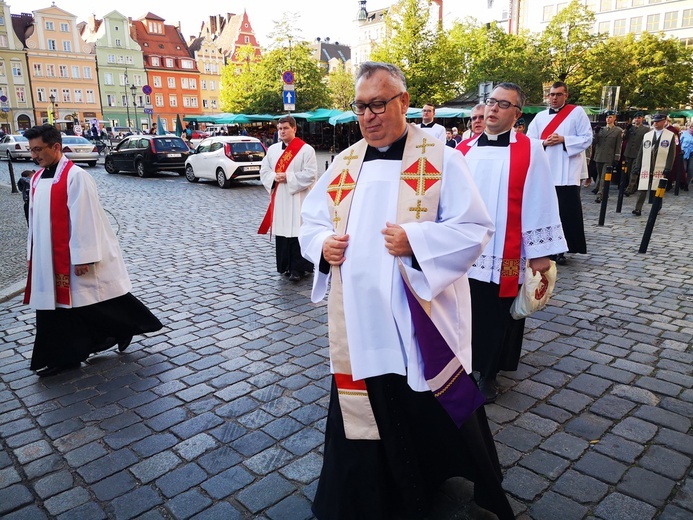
{"x": 60, "y": 236}
{"x": 520, "y": 152}
{"x": 283, "y": 163}
{"x": 563, "y": 113}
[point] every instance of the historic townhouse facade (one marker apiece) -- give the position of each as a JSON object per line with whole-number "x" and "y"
{"x": 63, "y": 68}
{"x": 171, "y": 70}
{"x": 16, "y": 104}
{"x": 120, "y": 68}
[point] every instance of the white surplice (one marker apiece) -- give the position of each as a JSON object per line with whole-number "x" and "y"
{"x": 91, "y": 241}
{"x": 542, "y": 233}
{"x": 378, "y": 321}
{"x": 437, "y": 131}
{"x": 566, "y": 163}
{"x": 300, "y": 177}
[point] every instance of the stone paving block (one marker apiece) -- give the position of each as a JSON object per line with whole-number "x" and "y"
{"x": 646, "y": 485}
{"x": 127, "y": 436}
{"x": 220, "y": 510}
{"x": 533, "y": 389}
{"x": 66, "y": 500}
{"x": 635, "y": 429}
{"x": 9, "y": 476}
{"x": 619, "y": 448}
{"x": 664, "y": 418}
{"x": 304, "y": 470}
{"x": 181, "y": 479}
{"x": 507, "y": 456}
{"x": 611, "y": 373}
{"x": 552, "y": 378}
{"x": 524, "y": 484}
{"x": 310, "y": 394}
{"x": 265, "y": 493}
{"x": 135, "y": 502}
{"x": 13, "y": 497}
{"x": 516, "y": 401}
{"x": 551, "y": 412}
{"x": 43, "y": 466}
{"x": 581, "y": 488}
{"x": 114, "y": 486}
{"x": 500, "y": 414}
{"x": 33, "y": 451}
{"x": 234, "y": 391}
{"x": 675, "y": 440}
{"x": 552, "y": 506}
{"x": 154, "y": 444}
{"x": 677, "y": 406}
{"x": 227, "y": 482}
{"x": 588, "y": 426}
{"x": 658, "y": 386}
{"x": 268, "y": 461}
{"x": 196, "y": 425}
{"x": 219, "y": 460}
{"x": 570, "y": 400}
{"x": 85, "y": 454}
{"x": 53, "y": 484}
{"x": 518, "y": 438}
{"x": 187, "y": 504}
{"x": 672, "y": 512}
{"x": 545, "y": 464}
{"x": 612, "y": 407}
{"x": 228, "y": 432}
{"x": 237, "y": 407}
{"x": 294, "y": 507}
{"x": 155, "y": 466}
{"x": 589, "y": 385}
{"x": 89, "y": 510}
{"x": 195, "y": 446}
{"x": 684, "y": 496}
{"x": 303, "y": 441}
{"x": 565, "y": 445}
{"x": 256, "y": 419}
{"x": 665, "y": 462}
{"x": 638, "y": 395}
{"x": 31, "y": 512}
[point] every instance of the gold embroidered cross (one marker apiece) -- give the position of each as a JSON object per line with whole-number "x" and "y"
{"x": 418, "y": 209}
{"x": 340, "y": 187}
{"x": 350, "y": 157}
{"x": 336, "y": 218}
{"x": 421, "y": 176}
{"x": 62, "y": 280}
{"x": 423, "y": 145}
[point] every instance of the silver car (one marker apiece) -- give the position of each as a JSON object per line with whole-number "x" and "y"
{"x": 15, "y": 146}
{"x": 225, "y": 158}
{"x": 79, "y": 149}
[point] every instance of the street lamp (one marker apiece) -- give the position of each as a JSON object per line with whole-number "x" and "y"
{"x": 127, "y": 105}
{"x": 133, "y": 89}
{"x": 51, "y": 119}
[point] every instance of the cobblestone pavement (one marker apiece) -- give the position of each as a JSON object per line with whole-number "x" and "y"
{"x": 221, "y": 414}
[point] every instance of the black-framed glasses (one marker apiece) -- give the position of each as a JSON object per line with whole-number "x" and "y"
{"x": 376, "y": 107}
{"x": 502, "y": 103}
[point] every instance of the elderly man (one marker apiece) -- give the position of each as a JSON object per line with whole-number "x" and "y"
{"x": 393, "y": 225}
{"x": 477, "y": 120}
{"x": 565, "y": 132}
{"x": 428, "y": 113}
{"x": 513, "y": 175}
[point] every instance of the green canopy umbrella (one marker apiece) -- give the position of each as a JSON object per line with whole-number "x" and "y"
{"x": 159, "y": 127}
{"x": 179, "y": 126}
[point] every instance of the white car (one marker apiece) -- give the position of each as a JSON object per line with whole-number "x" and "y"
{"x": 79, "y": 149}
{"x": 225, "y": 158}
{"x": 15, "y": 146}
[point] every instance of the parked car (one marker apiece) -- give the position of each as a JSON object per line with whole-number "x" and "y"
{"x": 79, "y": 149}
{"x": 225, "y": 158}
{"x": 15, "y": 146}
{"x": 145, "y": 154}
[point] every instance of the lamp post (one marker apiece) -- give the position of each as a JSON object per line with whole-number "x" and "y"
{"x": 127, "y": 105}
{"x": 51, "y": 119}
{"x": 133, "y": 89}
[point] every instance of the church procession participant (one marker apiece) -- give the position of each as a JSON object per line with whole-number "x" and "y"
{"x": 77, "y": 281}
{"x": 476, "y": 119}
{"x": 655, "y": 159}
{"x": 566, "y": 133}
{"x": 398, "y": 205}
{"x": 428, "y": 113}
{"x": 513, "y": 175}
{"x": 288, "y": 172}
{"x": 633, "y": 137}
{"x": 607, "y": 150}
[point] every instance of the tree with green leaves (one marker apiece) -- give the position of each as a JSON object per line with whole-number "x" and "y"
{"x": 341, "y": 84}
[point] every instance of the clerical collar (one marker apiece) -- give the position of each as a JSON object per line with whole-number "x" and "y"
{"x": 49, "y": 171}
{"x": 394, "y": 152}
{"x": 494, "y": 140}
{"x": 556, "y": 110}
{"x": 283, "y": 145}
{"x": 427, "y": 125}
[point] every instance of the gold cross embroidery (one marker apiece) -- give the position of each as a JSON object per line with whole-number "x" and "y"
{"x": 62, "y": 280}
{"x": 421, "y": 176}
{"x": 423, "y": 145}
{"x": 350, "y": 157}
{"x": 340, "y": 187}
{"x": 336, "y": 218}
{"x": 418, "y": 209}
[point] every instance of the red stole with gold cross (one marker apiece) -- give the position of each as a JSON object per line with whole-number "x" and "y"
{"x": 290, "y": 152}
{"x": 60, "y": 236}
{"x": 520, "y": 152}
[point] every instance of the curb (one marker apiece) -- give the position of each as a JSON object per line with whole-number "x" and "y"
{"x": 7, "y": 293}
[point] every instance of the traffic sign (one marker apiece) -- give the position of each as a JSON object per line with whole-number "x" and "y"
{"x": 3, "y": 99}
{"x": 288, "y": 77}
{"x": 289, "y": 97}
{"x": 148, "y": 110}
{"x": 147, "y": 89}
{"x": 5, "y": 109}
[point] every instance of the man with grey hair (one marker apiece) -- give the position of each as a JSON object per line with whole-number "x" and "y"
{"x": 476, "y": 120}
{"x": 393, "y": 225}
{"x": 513, "y": 176}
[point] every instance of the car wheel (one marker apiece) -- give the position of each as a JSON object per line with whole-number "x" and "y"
{"x": 140, "y": 170}
{"x": 190, "y": 174}
{"x": 222, "y": 181}
{"x": 91, "y": 164}
{"x": 9, "y": 156}
{"x": 109, "y": 166}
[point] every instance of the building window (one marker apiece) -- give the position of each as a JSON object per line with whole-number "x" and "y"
{"x": 129, "y": 60}
{"x": 193, "y": 101}
{"x": 171, "y": 82}
{"x": 38, "y": 70}
{"x": 75, "y": 72}
{"x": 117, "y": 42}
{"x": 621, "y": 4}
{"x": 52, "y": 45}
{"x": 53, "y": 92}
{"x": 603, "y": 27}
{"x": 159, "y": 98}
{"x": 214, "y": 103}
{"x": 124, "y": 100}
{"x": 67, "y": 98}
{"x": 21, "y": 95}
{"x": 548, "y": 13}
{"x": 2, "y": 20}
{"x": 50, "y": 70}
{"x": 67, "y": 46}
{"x": 3, "y": 41}
{"x": 137, "y": 80}
{"x": 205, "y": 104}
{"x": 193, "y": 83}
{"x": 636, "y": 24}
{"x": 155, "y": 27}
{"x": 123, "y": 79}
{"x": 111, "y": 58}
{"x": 155, "y": 61}
{"x": 110, "y": 100}
{"x": 90, "y": 96}
{"x": 671, "y": 20}
{"x": 78, "y": 96}
{"x": 653, "y": 23}
{"x": 203, "y": 84}
{"x": 50, "y": 26}
{"x": 187, "y": 64}
{"x": 184, "y": 83}
{"x": 41, "y": 95}
{"x": 186, "y": 101}
{"x": 638, "y": 3}
{"x": 606, "y": 5}
{"x": 172, "y": 101}
{"x": 108, "y": 78}
{"x": 157, "y": 81}
{"x": 63, "y": 71}
{"x": 64, "y": 27}
{"x": 16, "y": 69}
{"x": 169, "y": 62}
{"x": 687, "y": 18}
{"x": 620, "y": 27}
{"x": 87, "y": 72}
{"x": 212, "y": 85}
{"x": 120, "y": 58}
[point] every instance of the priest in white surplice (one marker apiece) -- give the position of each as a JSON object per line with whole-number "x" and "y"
{"x": 77, "y": 280}
{"x": 514, "y": 178}
{"x": 428, "y": 113}
{"x": 396, "y": 204}
{"x": 288, "y": 171}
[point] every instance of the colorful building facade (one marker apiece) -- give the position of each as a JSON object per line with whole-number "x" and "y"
{"x": 16, "y": 103}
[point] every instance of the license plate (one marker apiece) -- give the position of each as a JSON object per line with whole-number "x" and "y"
{"x": 251, "y": 169}
{"x": 174, "y": 155}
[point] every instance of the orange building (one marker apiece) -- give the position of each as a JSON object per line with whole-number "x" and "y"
{"x": 171, "y": 71}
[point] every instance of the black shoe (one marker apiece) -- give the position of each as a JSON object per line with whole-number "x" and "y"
{"x": 595, "y": 190}
{"x": 598, "y": 199}
{"x": 626, "y": 193}
{"x": 295, "y": 276}
{"x": 561, "y": 259}
{"x": 489, "y": 387}
{"x": 286, "y": 273}
{"x": 124, "y": 343}
{"x": 51, "y": 371}
{"x": 637, "y": 212}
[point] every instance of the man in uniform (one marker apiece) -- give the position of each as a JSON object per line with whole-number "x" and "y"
{"x": 393, "y": 225}
{"x": 520, "y": 126}
{"x": 428, "y": 113}
{"x": 288, "y": 171}
{"x": 513, "y": 175}
{"x": 655, "y": 159}
{"x": 633, "y": 137}
{"x": 607, "y": 150}
{"x": 565, "y": 132}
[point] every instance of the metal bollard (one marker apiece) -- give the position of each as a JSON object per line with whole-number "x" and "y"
{"x": 327, "y": 165}
{"x": 12, "y": 181}
{"x": 605, "y": 198}
{"x": 656, "y": 206}
{"x": 625, "y": 174}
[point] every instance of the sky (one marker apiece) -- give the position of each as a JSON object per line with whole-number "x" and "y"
{"x": 317, "y": 18}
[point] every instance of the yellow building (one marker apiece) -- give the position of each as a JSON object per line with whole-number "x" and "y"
{"x": 63, "y": 69}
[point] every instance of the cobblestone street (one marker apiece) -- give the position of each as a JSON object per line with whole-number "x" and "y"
{"x": 221, "y": 414}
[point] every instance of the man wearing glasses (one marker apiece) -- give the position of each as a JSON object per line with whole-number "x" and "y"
{"x": 77, "y": 280}
{"x": 566, "y": 133}
{"x": 514, "y": 178}
{"x": 477, "y": 122}
{"x": 393, "y": 225}
{"x": 428, "y": 113}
